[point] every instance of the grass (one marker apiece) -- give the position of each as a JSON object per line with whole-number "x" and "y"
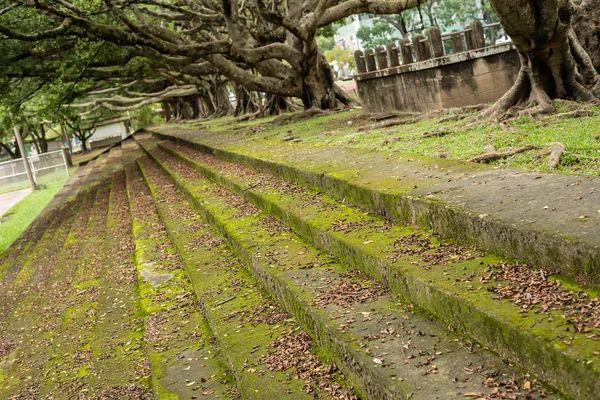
{"x": 18, "y": 218}
{"x": 341, "y": 129}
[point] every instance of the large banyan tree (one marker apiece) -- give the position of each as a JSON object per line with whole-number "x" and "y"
{"x": 266, "y": 46}
{"x": 554, "y": 64}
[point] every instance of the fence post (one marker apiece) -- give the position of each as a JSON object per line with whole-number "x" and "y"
{"x": 405, "y": 51}
{"x": 421, "y": 48}
{"x": 30, "y": 175}
{"x": 477, "y": 36}
{"x": 370, "y": 59}
{"x": 65, "y": 156}
{"x": 435, "y": 38}
{"x": 457, "y": 44}
{"x": 492, "y": 36}
{"x": 359, "y": 58}
{"x": 381, "y": 57}
{"x": 392, "y": 52}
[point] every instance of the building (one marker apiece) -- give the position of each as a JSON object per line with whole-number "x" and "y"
{"x": 345, "y": 36}
{"x": 109, "y": 132}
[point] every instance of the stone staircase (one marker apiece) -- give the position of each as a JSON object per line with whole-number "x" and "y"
{"x": 175, "y": 274}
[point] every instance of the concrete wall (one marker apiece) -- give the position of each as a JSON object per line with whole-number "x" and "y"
{"x": 457, "y": 80}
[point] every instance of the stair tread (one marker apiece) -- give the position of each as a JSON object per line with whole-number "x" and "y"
{"x": 296, "y": 268}
{"x": 457, "y": 274}
{"x": 253, "y": 333}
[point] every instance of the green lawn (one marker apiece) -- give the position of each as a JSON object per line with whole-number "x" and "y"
{"x": 581, "y": 137}
{"x": 18, "y": 218}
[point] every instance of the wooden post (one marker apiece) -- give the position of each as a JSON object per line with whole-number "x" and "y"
{"x": 24, "y": 154}
{"x": 381, "y": 57}
{"x": 435, "y": 38}
{"x": 477, "y": 36}
{"x": 359, "y": 58}
{"x": 405, "y": 51}
{"x": 457, "y": 43}
{"x": 392, "y": 52}
{"x": 370, "y": 59}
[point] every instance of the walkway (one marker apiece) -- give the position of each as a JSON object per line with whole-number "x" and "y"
{"x": 7, "y": 200}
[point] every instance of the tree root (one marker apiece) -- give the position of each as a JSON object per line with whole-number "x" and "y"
{"x": 306, "y": 114}
{"x": 437, "y": 133}
{"x": 572, "y": 114}
{"x": 486, "y": 158}
{"x": 454, "y": 114}
{"x": 556, "y": 151}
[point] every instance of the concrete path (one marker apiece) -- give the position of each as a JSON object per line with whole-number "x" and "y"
{"x": 7, "y": 200}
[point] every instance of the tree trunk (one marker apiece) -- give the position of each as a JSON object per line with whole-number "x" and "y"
{"x": 247, "y": 102}
{"x": 14, "y": 154}
{"x": 84, "y": 148}
{"x": 587, "y": 26}
{"x": 553, "y": 62}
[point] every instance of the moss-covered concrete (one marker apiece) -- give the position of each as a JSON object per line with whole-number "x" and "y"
{"x": 452, "y": 293}
{"x": 183, "y": 360}
{"x": 503, "y": 211}
{"x": 229, "y": 295}
{"x": 280, "y": 263}
{"x": 33, "y": 325}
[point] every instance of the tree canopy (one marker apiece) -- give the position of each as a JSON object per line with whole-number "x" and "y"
{"x": 123, "y": 54}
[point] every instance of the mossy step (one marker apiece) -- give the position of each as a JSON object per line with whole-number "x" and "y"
{"x": 71, "y": 356}
{"x": 12, "y": 259}
{"x": 458, "y": 292}
{"x": 184, "y": 363}
{"x": 24, "y": 273}
{"x": 119, "y": 363}
{"x": 251, "y": 330}
{"x": 498, "y": 210}
{"x": 387, "y": 347}
{"x": 28, "y": 336}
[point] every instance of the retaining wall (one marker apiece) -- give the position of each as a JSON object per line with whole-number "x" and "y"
{"x": 457, "y": 80}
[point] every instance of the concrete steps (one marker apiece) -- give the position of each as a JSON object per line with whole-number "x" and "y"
{"x": 34, "y": 321}
{"x": 251, "y": 330}
{"x": 386, "y": 346}
{"x": 454, "y": 283}
{"x": 533, "y": 217}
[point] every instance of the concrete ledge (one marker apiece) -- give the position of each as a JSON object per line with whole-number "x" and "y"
{"x": 500, "y": 210}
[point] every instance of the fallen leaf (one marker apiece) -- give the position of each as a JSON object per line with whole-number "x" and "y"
{"x": 208, "y": 392}
{"x": 377, "y": 361}
{"x": 191, "y": 383}
{"x": 527, "y": 385}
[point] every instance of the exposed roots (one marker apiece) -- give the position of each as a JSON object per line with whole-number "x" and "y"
{"x": 563, "y": 70}
{"x": 486, "y": 158}
{"x": 306, "y": 114}
{"x": 556, "y": 151}
{"x": 452, "y": 114}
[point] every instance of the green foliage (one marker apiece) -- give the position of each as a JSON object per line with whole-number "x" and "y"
{"x": 343, "y": 58}
{"x": 380, "y": 34}
{"x": 146, "y": 116}
{"x": 325, "y": 43}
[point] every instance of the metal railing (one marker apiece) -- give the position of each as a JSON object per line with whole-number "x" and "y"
{"x": 12, "y": 172}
